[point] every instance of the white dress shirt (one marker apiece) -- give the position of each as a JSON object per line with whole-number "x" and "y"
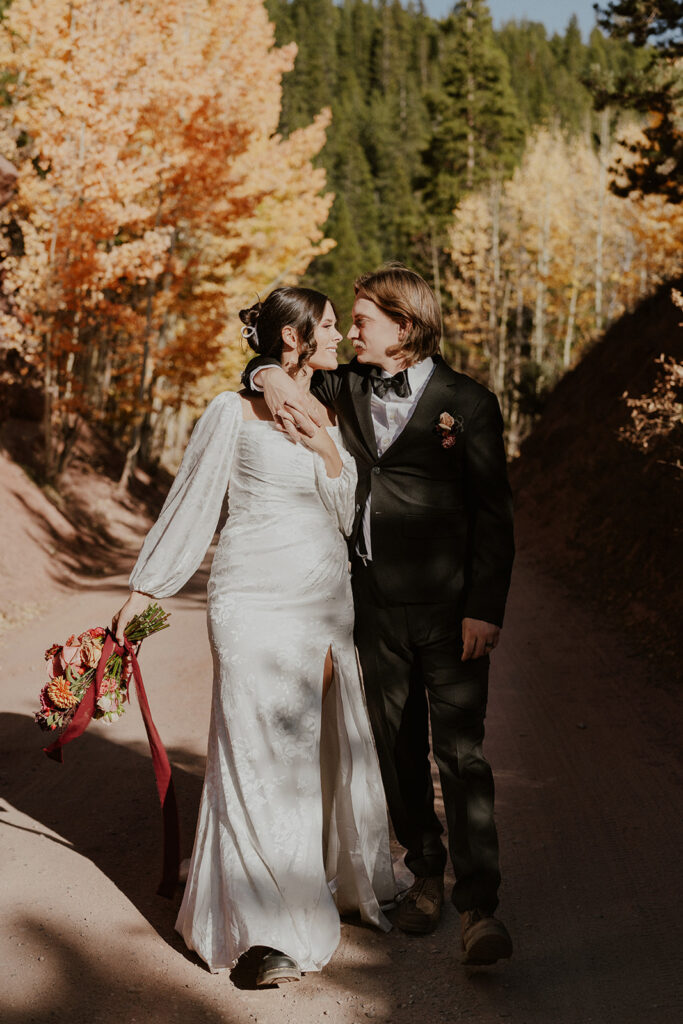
{"x": 389, "y": 416}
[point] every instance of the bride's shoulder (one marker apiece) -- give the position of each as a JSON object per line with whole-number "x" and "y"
{"x": 224, "y": 405}
{"x": 225, "y": 400}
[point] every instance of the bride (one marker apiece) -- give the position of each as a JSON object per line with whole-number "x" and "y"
{"x": 292, "y": 825}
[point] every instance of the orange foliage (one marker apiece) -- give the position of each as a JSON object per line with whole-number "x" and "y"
{"x": 154, "y": 196}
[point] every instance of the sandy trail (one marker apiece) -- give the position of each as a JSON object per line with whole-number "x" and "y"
{"x": 583, "y": 740}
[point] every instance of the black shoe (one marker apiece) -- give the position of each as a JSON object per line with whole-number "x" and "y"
{"x": 420, "y": 909}
{"x": 276, "y": 968}
{"x": 485, "y": 939}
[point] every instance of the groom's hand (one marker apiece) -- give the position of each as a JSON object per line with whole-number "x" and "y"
{"x": 282, "y": 396}
{"x": 478, "y": 638}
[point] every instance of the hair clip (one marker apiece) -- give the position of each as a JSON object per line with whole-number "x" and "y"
{"x": 248, "y": 332}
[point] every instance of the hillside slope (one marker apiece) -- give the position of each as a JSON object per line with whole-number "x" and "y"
{"x": 52, "y": 543}
{"x": 603, "y": 515}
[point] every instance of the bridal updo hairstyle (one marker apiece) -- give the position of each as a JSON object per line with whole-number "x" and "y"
{"x": 299, "y": 308}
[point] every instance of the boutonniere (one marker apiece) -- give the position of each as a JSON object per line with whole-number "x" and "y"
{"x": 448, "y": 427}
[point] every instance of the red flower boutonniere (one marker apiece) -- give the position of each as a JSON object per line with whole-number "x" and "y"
{"x": 448, "y": 427}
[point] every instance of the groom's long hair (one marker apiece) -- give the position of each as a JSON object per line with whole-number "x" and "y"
{"x": 407, "y": 299}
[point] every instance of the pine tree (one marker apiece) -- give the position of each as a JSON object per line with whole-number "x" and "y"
{"x": 421, "y": 111}
{"x": 643, "y": 20}
{"x": 572, "y": 48}
{"x": 335, "y": 272}
{"x": 654, "y": 164}
{"x": 312, "y": 83}
{"x": 476, "y": 132}
{"x": 533, "y": 70}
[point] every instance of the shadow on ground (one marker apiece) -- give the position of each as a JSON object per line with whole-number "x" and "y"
{"x": 93, "y": 989}
{"x": 119, "y": 829}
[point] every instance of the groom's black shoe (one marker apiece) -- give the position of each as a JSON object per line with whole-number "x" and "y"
{"x": 485, "y": 939}
{"x": 276, "y": 968}
{"x": 420, "y": 909}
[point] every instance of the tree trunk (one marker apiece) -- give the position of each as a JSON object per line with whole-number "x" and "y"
{"x": 541, "y": 272}
{"x": 571, "y": 320}
{"x": 436, "y": 275}
{"x": 48, "y": 422}
{"x": 132, "y": 453}
{"x": 48, "y": 439}
{"x": 493, "y": 341}
{"x": 600, "y": 239}
{"x": 571, "y": 316}
{"x": 69, "y": 438}
{"x": 469, "y": 176}
{"x": 499, "y": 383}
{"x": 514, "y": 418}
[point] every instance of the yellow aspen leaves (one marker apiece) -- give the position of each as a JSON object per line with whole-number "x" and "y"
{"x": 154, "y": 195}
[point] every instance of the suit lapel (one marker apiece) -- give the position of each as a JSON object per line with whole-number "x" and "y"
{"x": 360, "y": 390}
{"x": 431, "y": 403}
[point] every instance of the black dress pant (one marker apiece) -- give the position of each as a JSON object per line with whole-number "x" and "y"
{"x": 413, "y": 677}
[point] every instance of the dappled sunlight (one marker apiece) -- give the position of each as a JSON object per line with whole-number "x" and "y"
{"x": 121, "y": 831}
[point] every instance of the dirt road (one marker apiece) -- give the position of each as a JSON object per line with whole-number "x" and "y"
{"x": 583, "y": 740}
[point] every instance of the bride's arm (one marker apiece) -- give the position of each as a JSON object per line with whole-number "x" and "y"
{"x": 175, "y": 546}
{"x": 338, "y": 493}
{"x": 338, "y": 490}
{"x": 336, "y": 475}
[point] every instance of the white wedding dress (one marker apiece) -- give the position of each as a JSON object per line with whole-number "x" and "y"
{"x": 292, "y": 809}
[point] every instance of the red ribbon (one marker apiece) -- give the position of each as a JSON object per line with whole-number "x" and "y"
{"x": 162, "y": 769}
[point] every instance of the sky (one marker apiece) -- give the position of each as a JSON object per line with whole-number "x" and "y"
{"x": 553, "y": 13}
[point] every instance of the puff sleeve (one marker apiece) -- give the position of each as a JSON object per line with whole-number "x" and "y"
{"x": 338, "y": 494}
{"x": 175, "y": 546}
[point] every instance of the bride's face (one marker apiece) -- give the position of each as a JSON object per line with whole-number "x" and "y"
{"x": 327, "y": 338}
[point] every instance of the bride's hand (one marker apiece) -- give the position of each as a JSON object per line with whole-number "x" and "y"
{"x": 283, "y": 397}
{"x": 316, "y": 439}
{"x": 136, "y": 603}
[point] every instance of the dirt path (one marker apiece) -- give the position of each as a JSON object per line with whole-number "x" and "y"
{"x": 583, "y": 743}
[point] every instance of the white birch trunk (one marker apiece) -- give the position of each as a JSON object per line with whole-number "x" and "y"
{"x": 571, "y": 321}
{"x": 541, "y": 273}
{"x": 600, "y": 238}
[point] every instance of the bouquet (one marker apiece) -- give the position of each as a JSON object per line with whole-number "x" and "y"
{"x": 72, "y": 667}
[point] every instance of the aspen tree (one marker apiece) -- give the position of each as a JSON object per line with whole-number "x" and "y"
{"x": 533, "y": 262}
{"x": 154, "y": 197}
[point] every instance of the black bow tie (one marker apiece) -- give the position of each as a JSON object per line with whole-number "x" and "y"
{"x": 398, "y": 383}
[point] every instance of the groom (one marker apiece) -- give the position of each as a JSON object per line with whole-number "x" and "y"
{"x": 432, "y": 550}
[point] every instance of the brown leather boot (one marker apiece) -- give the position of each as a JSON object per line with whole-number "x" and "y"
{"x": 485, "y": 939}
{"x": 420, "y": 909}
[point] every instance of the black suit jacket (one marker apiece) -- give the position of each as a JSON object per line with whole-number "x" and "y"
{"x": 441, "y": 515}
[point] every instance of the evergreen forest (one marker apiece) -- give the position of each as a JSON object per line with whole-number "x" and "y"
{"x": 424, "y": 112}
{"x": 485, "y": 160}
{"x": 148, "y": 192}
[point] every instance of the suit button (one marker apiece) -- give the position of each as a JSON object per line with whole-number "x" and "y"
{"x": 357, "y": 508}
{"x": 375, "y": 469}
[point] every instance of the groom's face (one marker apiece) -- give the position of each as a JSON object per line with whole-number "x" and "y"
{"x": 372, "y": 333}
